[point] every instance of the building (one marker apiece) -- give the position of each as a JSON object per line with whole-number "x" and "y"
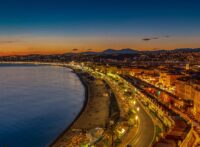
{"x": 196, "y": 110}
{"x": 164, "y": 79}
{"x": 189, "y": 89}
{"x": 168, "y": 79}
{"x": 185, "y": 89}
{"x": 187, "y": 67}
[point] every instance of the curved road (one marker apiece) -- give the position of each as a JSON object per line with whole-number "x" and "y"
{"x": 145, "y": 133}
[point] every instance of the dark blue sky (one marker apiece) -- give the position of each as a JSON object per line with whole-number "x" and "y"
{"x": 82, "y": 17}
{"x": 99, "y": 18}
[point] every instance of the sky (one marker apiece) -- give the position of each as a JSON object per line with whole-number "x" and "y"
{"x": 60, "y": 26}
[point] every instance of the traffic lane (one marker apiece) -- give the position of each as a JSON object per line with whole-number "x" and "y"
{"x": 145, "y": 135}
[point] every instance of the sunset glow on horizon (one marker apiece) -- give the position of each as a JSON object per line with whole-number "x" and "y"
{"x": 56, "y": 27}
{"x": 59, "y": 45}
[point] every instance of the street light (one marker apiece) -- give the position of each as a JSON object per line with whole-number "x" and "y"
{"x": 121, "y": 132}
{"x": 112, "y": 132}
{"x": 138, "y": 109}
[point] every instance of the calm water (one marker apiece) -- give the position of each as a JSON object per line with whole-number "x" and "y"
{"x": 37, "y": 103}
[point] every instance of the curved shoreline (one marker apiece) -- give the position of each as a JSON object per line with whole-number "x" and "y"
{"x": 96, "y": 118}
{"x": 93, "y": 120}
{"x": 86, "y": 93}
{"x": 83, "y": 97}
{"x": 82, "y": 109}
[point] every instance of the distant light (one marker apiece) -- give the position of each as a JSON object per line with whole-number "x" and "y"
{"x": 123, "y": 130}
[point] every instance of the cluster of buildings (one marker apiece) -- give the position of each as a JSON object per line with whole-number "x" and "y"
{"x": 183, "y": 82}
{"x": 179, "y": 85}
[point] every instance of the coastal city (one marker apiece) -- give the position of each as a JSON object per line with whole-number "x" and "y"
{"x": 99, "y": 73}
{"x": 130, "y": 103}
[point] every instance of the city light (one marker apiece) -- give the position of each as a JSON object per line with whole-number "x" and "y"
{"x": 147, "y": 96}
{"x": 123, "y": 131}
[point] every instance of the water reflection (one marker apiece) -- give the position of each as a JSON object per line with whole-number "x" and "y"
{"x": 37, "y": 103}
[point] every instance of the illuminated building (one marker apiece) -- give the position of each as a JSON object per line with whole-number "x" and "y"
{"x": 168, "y": 79}
{"x": 190, "y": 90}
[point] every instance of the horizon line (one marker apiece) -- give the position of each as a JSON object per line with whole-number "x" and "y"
{"x": 91, "y": 51}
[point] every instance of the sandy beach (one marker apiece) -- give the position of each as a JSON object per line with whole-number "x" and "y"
{"x": 94, "y": 115}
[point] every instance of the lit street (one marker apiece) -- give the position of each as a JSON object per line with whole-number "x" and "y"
{"x": 100, "y": 73}
{"x": 145, "y": 133}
